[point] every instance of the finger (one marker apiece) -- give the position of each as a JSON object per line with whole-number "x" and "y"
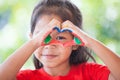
{"x": 67, "y": 24}
{"x": 50, "y": 31}
{"x": 54, "y": 23}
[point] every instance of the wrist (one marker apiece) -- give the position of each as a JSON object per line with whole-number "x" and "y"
{"x": 91, "y": 43}
{"x": 34, "y": 43}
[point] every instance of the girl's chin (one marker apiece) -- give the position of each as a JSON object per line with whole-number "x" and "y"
{"x": 49, "y": 65}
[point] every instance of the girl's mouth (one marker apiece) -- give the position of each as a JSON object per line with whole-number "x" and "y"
{"x": 49, "y": 56}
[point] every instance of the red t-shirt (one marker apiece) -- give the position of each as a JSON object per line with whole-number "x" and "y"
{"x": 84, "y": 71}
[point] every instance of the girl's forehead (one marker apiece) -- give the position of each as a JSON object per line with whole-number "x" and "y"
{"x": 45, "y": 19}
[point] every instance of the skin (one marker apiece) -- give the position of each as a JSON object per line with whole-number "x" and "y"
{"x": 55, "y": 62}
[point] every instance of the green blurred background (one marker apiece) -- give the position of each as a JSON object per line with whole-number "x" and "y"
{"x": 101, "y": 19}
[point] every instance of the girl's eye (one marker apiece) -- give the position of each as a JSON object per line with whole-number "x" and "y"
{"x": 60, "y": 38}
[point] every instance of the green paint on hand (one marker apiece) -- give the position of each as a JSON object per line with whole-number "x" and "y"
{"x": 47, "y": 39}
{"x": 77, "y": 41}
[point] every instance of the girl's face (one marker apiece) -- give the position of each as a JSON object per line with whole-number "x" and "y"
{"x": 53, "y": 55}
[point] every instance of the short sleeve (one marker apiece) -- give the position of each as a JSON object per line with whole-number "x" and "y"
{"x": 97, "y": 71}
{"x": 23, "y": 75}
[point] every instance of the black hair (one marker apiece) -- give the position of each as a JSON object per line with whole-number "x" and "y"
{"x": 66, "y": 11}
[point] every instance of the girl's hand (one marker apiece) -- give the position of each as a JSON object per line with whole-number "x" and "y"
{"x": 77, "y": 31}
{"x": 39, "y": 36}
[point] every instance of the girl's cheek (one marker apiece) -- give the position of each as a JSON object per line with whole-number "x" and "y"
{"x": 38, "y": 52}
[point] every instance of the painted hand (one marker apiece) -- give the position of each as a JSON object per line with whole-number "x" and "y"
{"x": 76, "y": 40}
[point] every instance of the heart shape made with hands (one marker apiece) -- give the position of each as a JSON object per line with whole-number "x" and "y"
{"x": 76, "y": 41}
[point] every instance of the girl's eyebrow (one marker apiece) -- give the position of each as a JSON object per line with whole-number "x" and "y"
{"x": 62, "y": 36}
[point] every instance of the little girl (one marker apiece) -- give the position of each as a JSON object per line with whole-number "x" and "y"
{"x": 57, "y": 61}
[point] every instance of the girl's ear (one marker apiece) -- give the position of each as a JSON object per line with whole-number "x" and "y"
{"x": 74, "y": 47}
